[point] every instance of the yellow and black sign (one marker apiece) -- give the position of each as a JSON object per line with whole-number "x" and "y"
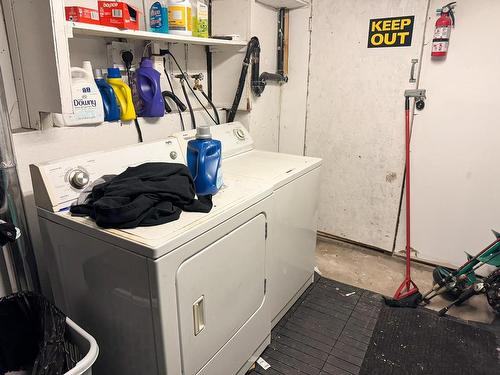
{"x": 391, "y": 32}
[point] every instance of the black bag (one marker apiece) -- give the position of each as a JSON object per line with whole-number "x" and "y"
{"x": 33, "y": 336}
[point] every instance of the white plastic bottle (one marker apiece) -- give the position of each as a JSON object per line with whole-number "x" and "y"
{"x": 87, "y": 101}
{"x": 180, "y": 20}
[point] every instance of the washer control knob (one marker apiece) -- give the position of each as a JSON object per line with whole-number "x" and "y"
{"x": 78, "y": 178}
{"x": 240, "y": 134}
{"x": 173, "y": 155}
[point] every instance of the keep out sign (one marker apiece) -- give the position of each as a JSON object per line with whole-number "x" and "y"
{"x": 391, "y": 32}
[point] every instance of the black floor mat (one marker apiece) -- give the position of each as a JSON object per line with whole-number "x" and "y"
{"x": 328, "y": 331}
{"x": 418, "y": 341}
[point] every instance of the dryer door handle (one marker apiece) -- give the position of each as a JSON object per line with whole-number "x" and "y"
{"x": 199, "y": 315}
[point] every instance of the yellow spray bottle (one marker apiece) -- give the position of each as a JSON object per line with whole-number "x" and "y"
{"x": 123, "y": 94}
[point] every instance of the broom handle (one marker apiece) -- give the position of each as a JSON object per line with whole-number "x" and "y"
{"x": 407, "y": 186}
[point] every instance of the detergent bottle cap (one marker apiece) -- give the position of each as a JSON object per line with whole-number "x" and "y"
{"x": 114, "y": 73}
{"x": 203, "y": 132}
{"x": 146, "y": 63}
{"x": 98, "y": 74}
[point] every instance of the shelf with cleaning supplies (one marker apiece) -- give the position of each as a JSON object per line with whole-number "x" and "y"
{"x": 77, "y": 29}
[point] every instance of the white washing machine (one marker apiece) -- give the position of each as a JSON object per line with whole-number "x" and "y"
{"x": 293, "y": 217}
{"x": 186, "y": 297}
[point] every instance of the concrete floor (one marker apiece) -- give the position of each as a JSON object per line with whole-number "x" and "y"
{"x": 382, "y": 273}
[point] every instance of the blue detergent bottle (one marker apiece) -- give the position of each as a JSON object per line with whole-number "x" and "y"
{"x": 111, "y": 108}
{"x": 204, "y": 156}
{"x": 157, "y": 20}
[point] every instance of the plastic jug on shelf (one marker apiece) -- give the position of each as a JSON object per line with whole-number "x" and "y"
{"x": 123, "y": 94}
{"x": 87, "y": 101}
{"x": 180, "y": 21}
{"x": 111, "y": 108}
{"x": 200, "y": 18}
{"x": 156, "y": 15}
{"x": 204, "y": 156}
{"x": 147, "y": 84}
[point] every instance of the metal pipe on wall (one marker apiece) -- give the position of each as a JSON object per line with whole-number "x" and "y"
{"x": 209, "y": 53}
{"x": 282, "y": 47}
{"x": 281, "y": 41}
{"x": 18, "y": 257}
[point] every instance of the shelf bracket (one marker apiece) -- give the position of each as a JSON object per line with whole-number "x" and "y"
{"x": 68, "y": 30}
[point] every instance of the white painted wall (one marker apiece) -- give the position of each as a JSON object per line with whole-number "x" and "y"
{"x": 294, "y": 93}
{"x": 264, "y": 119}
{"x": 455, "y": 184}
{"x": 277, "y": 118}
{"x": 355, "y": 116}
{"x": 230, "y": 17}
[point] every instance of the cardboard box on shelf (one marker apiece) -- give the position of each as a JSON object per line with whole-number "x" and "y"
{"x": 119, "y": 14}
{"x": 82, "y": 14}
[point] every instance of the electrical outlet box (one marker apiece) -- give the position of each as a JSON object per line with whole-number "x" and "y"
{"x": 155, "y": 48}
{"x": 158, "y": 63}
{"x": 115, "y": 50}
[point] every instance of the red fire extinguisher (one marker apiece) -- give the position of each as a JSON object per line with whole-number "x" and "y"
{"x": 444, "y": 23}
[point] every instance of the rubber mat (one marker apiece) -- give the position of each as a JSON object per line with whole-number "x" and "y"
{"x": 418, "y": 341}
{"x": 329, "y": 330}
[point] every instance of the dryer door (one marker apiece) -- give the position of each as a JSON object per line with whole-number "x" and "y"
{"x": 220, "y": 290}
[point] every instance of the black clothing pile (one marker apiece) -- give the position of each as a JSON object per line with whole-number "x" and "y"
{"x": 146, "y": 195}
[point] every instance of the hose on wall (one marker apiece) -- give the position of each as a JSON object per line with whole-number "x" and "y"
{"x": 258, "y": 80}
{"x": 253, "y": 47}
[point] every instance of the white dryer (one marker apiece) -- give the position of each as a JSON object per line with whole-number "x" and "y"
{"x": 293, "y": 217}
{"x": 186, "y": 297}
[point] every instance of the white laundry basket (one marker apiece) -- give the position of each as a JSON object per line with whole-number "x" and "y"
{"x": 88, "y": 348}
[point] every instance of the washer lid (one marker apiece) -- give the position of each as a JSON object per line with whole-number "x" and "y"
{"x": 273, "y": 167}
{"x": 237, "y": 194}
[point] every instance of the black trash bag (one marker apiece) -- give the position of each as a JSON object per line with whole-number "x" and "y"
{"x": 18, "y": 334}
{"x": 33, "y": 336}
